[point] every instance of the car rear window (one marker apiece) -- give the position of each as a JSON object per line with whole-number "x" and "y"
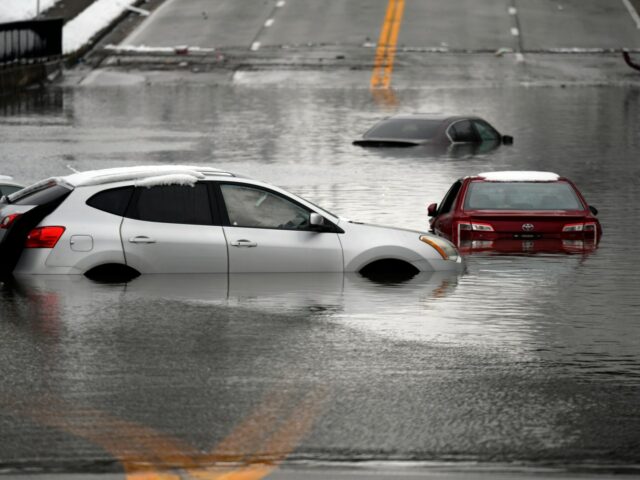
{"x": 173, "y": 204}
{"x": 521, "y": 196}
{"x": 405, "y": 128}
{"x": 114, "y": 200}
{"x": 40, "y": 196}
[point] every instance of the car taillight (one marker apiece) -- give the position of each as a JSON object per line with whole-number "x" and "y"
{"x": 8, "y": 221}
{"x": 589, "y": 227}
{"x": 481, "y": 227}
{"x": 573, "y": 227}
{"x": 476, "y": 227}
{"x": 44, "y": 237}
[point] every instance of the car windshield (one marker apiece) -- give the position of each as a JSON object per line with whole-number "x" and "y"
{"x": 405, "y": 128}
{"x": 521, "y": 196}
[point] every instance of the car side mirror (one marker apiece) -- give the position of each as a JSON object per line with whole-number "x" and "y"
{"x": 507, "y": 140}
{"x": 317, "y": 222}
{"x": 431, "y": 209}
{"x": 316, "y": 219}
{"x": 593, "y": 210}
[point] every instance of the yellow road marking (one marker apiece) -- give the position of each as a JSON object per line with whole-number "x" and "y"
{"x": 279, "y": 445}
{"x": 262, "y": 441}
{"x": 386, "y": 49}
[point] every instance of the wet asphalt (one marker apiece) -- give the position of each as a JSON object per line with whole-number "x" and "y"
{"x": 525, "y": 364}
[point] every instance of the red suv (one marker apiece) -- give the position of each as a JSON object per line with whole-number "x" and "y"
{"x": 516, "y": 212}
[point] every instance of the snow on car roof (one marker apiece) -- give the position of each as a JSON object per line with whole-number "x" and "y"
{"x": 519, "y": 176}
{"x": 148, "y": 175}
{"x": 6, "y": 178}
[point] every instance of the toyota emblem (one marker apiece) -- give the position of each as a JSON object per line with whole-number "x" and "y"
{"x": 527, "y": 227}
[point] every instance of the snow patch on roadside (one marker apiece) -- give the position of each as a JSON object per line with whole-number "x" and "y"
{"x": 99, "y": 15}
{"x": 184, "y": 49}
{"x": 16, "y": 10}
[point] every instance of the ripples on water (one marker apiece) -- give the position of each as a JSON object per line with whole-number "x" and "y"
{"x": 565, "y": 316}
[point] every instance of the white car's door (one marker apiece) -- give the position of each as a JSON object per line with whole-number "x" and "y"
{"x": 267, "y": 232}
{"x": 170, "y": 229}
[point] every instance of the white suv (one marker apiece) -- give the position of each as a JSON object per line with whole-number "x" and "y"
{"x": 186, "y": 219}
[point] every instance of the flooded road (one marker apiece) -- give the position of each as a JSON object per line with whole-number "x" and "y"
{"x": 529, "y": 360}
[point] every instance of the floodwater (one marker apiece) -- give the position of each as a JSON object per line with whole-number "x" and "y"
{"x": 524, "y": 359}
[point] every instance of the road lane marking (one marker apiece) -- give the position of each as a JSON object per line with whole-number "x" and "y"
{"x": 386, "y": 48}
{"x": 255, "y": 45}
{"x": 261, "y": 442}
{"x": 632, "y": 12}
{"x": 513, "y": 11}
{"x": 515, "y": 32}
{"x": 280, "y": 443}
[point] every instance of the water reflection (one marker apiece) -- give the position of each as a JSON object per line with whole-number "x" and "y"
{"x": 507, "y": 246}
{"x": 447, "y": 150}
{"x": 320, "y": 294}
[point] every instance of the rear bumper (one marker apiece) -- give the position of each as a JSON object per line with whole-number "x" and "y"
{"x": 34, "y": 261}
{"x": 528, "y": 245}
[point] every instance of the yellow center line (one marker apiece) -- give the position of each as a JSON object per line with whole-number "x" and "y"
{"x": 279, "y": 444}
{"x": 260, "y": 443}
{"x": 386, "y": 49}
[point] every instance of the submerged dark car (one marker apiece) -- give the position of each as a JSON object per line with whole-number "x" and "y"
{"x": 417, "y": 129}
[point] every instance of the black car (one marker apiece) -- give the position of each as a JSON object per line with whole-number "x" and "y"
{"x": 415, "y": 130}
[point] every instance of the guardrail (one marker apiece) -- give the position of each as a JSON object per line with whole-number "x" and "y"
{"x": 30, "y": 41}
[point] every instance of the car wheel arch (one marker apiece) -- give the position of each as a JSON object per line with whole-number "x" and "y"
{"x": 384, "y": 253}
{"x": 112, "y": 273}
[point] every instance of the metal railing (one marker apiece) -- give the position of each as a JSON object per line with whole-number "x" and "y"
{"x": 30, "y": 41}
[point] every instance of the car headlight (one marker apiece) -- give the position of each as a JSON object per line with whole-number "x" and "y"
{"x": 446, "y": 249}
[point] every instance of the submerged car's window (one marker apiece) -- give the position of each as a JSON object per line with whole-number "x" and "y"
{"x": 486, "y": 131}
{"x": 521, "y": 196}
{"x": 173, "y": 204}
{"x": 254, "y": 207}
{"x": 463, "y": 132}
{"x": 42, "y": 196}
{"x": 405, "y": 128}
{"x": 114, "y": 200}
{"x": 447, "y": 201}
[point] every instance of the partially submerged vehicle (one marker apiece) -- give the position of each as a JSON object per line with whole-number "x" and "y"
{"x": 518, "y": 211}
{"x": 186, "y": 219}
{"x": 418, "y": 129}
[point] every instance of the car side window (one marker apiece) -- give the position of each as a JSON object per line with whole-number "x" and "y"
{"x": 463, "y": 132}
{"x": 257, "y": 208}
{"x": 449, "y": 198}
{"x": 8, "y": 190}
{"x": 182, "y": 204}
{"x": 487, "y": 132}
{"x": 114, "y": 200}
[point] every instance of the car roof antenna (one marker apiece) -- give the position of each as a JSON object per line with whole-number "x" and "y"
{"x": 72, "y": 169}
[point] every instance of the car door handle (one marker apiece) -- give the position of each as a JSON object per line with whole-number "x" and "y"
{"x": 244, "y": 243}
{"x": 141, "y": 239}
